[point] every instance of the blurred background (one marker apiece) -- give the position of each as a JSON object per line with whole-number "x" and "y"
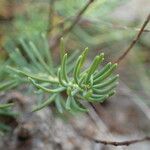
{"x": 107, "y": 26}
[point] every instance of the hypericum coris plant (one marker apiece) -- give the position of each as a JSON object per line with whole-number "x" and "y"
{"x": 67, "y": 84}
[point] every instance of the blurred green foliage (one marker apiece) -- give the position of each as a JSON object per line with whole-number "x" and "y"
{"x": 97, "y": 29}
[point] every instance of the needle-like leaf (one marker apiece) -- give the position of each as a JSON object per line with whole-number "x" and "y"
{"x": 2, "y": 106}
{"x": 46, "y": 103}
{"x": 63, "y": 68}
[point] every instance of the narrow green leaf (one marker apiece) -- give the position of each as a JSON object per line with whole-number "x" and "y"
{"x": 82, "y": 79}
{"x": 74, "y": 92}
{"x": 79, "y": 64}
{"x": 46, "y": 103}
{"x": 2, "y": 106}
{"x": 58, "y": 104}
{"x": 84, "y": 54}
{"x": 47, "y": 51}
{"x": 76, "y": 106}
{"x": 8, "y": 113}
{"x": 39, "y": 57}
{"x": 87, "y": 94}
{"x": 21, "y": 58}
{"x": 30, "y": 54}
{"x": 77, "y": 69}
{"x": 106, "y": 74}
{"x": 60, "y": 78}
{"x": 97, "y": 98}
{"x": 91, "y": 80}
{"x": 104, "y": 69}
{"x": 68, "y": 103}
{"x": 112, "y": 93}
{"x": 106, "y": 83}
{"x": 63, "y": 68}
{"x": 34, "y": 76}
{"x": 57, "y": 90}
{"x": 62, "y": 48}
{"x": 6, "y": 84}
{"x": 105, "y": 91}
{"x": 97, "y": 60}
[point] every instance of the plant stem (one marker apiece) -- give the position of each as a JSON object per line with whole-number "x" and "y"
{"x": 123, "y": 143}
{"x": 77, "y": 18}
{"x": 75, "y": 21}
{"x": 134, "y": 41}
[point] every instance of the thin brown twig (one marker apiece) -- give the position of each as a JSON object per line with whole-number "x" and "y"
{"x": 106, "y": 142}
{"x": 100, "y": 125}
{"x": 134, "y": 41}
{"x": 78, "y": 17}
{"x": 75, "y": 21}
{"x": 123, "y": 143}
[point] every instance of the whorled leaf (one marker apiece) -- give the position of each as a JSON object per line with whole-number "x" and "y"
{"x": 91, "y": 84}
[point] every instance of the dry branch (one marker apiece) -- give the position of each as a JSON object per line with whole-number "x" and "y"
{"x": 78, "y": 17}
{"x": 74, "y": 22}
{"x": 134, "y": 41}
{"x": 123, "y": 143}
